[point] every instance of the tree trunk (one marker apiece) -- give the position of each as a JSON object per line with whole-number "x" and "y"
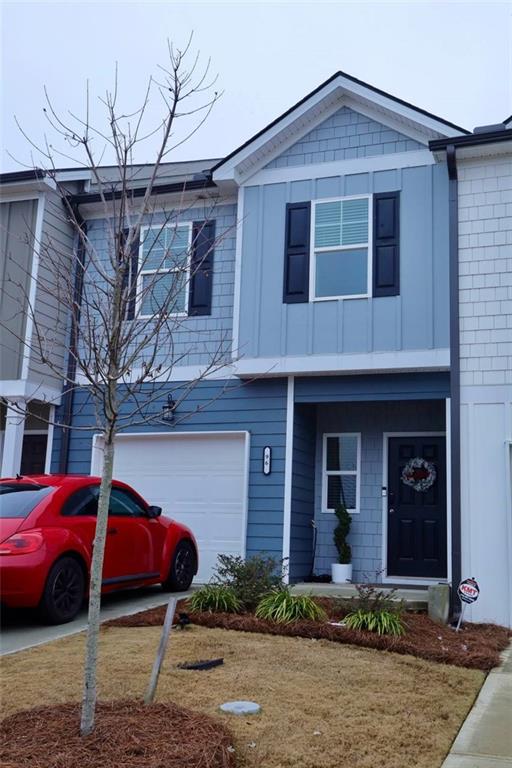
{"x": 93, "y": 620}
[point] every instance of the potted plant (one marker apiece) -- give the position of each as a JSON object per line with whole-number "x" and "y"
{"x": 342, "y": 570}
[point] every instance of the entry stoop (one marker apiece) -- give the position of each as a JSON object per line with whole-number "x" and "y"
{"x": 415, "y": 598}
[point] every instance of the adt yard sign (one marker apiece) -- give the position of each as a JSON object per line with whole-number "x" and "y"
{"x": 468, "y": 592}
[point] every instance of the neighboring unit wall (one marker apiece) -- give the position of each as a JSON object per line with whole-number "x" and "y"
{"x": 371, "y": 419}
{"x": 258, "y": 407}
{"x": 417, "y": 319}
{"x": 51, "y": 311}
{"x": 17, "y": 225}
{"x": 485, "y": 294}
{"x": 197, "y": 340}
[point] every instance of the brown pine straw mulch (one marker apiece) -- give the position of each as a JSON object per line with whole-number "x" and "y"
{"x": 127, "y": 734}
{"x": 476, "y": 646}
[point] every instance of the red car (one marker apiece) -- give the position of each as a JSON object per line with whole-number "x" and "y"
{"x": 47, "y": 525}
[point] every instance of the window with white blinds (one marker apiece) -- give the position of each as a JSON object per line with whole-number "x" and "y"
{"x": 340, "y": 262}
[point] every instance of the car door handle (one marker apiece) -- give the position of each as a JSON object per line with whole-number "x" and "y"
{"x": 111, "y": 531}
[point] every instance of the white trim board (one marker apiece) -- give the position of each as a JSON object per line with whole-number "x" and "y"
{"x": 288, "y": 477}
{"x": 311, "y": 365}
{"x": 390, "y": 162}
{"x": 235, "y": 351}
{"x": 410, "y": 579}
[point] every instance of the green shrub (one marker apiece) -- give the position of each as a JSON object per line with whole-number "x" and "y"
{"x": 283, "y": 607}
{"x": 340, "y": 534}
{"x": 249, "y": 579}
{"x": 371, "y": 599}
{"x": 382, "y": 622}
{"x": 215, "y": 598}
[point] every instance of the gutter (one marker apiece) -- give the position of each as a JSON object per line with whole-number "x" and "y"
{"x": 453, "y": 246}
{"x": 68, "y": 398}
{"x": 33, "y": 175}
{"x": 473, "y": 140}
{"x": 159, "y": 189}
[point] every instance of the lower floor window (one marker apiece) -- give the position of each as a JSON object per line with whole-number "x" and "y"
{"x": 341, "y": 471}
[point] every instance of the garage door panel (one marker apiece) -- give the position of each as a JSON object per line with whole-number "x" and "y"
{"x": 198, "y": 480}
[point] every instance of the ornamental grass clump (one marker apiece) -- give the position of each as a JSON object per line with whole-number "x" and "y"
{"x": 215, "y": 598}
{"x": 381, "y": 622}
{"x": 283, "y": 607}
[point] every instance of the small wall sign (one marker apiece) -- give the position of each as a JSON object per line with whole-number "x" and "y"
{"x": 468, "y": 591}
{"x": 267, "y": 460}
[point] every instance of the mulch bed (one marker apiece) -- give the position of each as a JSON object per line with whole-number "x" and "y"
{"x": 476, "y": 646}
{"x": 128, "y": 734}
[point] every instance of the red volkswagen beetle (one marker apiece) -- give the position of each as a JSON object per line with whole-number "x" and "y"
{"x": 47, "y": 525}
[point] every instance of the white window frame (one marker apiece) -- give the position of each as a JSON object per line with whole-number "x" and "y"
{"x": 326, "y": 473}
{"x": 143, "y": 272}
{"x": 313, "y": 251}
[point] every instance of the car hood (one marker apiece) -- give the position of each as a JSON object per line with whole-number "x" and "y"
{"x": 9, "y": 525}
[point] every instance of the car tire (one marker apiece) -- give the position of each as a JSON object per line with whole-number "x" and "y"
{"x": 183, "y": 568}
{"x": 63, "y": 592}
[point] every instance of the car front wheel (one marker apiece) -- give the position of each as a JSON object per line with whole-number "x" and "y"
{"x": 64, "y": 591}
{"x": 182, "y": 569}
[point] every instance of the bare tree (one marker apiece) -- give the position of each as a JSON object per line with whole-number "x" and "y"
{"x": 125, "y": 303}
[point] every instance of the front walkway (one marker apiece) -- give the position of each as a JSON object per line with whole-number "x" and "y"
{"x": 485, "y": 739}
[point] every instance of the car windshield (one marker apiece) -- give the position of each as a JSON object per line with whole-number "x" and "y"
{"x": 19, "y": 499}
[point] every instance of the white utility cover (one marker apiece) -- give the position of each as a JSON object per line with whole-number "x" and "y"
{"x": 198, "y": 480}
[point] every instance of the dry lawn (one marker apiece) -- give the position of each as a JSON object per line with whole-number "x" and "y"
{"x": 324, "y": 705}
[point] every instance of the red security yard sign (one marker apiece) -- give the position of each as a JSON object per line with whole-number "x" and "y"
{"x": 468, "y": 592}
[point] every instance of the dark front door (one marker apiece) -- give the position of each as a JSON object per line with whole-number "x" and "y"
{"x": 33, "y": 455}
{"x": 417, "y": 507}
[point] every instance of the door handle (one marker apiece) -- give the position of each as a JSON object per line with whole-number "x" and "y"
{"x": 111, "y": 531}
{"x": 391, "y": 511}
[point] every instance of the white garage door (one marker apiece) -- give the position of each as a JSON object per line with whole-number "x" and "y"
{"x": 199, "y": 480}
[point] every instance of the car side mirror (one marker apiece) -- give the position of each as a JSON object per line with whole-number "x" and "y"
{"x": 154, "y": 511}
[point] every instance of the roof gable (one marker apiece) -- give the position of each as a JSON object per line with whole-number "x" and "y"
{"x": 341, "y": 90}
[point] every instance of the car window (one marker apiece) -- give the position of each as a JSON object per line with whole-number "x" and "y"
{"x": 82, "y": 502}
{"x": 124, "y": 504}
{"x": 19, "y": 499}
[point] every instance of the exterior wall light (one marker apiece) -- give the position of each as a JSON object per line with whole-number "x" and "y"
{"x": 169, "y": 410}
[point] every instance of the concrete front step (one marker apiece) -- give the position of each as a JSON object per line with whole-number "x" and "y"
{"x": 416, "y": 599}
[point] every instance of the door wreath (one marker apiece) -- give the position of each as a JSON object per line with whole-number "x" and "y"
{"x": 419, "y": 474}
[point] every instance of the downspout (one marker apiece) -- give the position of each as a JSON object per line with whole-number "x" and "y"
{"x": 453, "y": 240}
{"x": 69, "y": 393}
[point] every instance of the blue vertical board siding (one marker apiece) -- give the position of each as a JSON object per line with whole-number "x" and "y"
{"x": 196, "y": 339}
{"x": 343, "y": 136}
{"x": 371, "y": 420}
{"x": 303, "y": 493}
{"x": 416, "y": 319}
{"x": 257, "y": 407}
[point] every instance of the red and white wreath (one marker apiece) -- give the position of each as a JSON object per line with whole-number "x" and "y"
{"x": 419, "y": 474}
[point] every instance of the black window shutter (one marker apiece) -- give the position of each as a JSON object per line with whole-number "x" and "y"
{"x": 386, "y": 244}
{"x": 130, "y": 277}
{"x": 296, "y": 253}
{"x": 201, "y": 268}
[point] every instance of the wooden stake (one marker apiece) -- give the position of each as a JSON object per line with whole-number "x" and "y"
{"x": 162, "y": 647}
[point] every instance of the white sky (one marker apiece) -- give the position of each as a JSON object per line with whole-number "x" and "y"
{"x": 451, "y": 58}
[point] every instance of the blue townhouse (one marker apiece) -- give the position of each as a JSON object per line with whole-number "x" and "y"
{"x": 332, "y": 295}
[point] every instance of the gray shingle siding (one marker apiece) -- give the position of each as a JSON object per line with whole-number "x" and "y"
{"x": 346, "y": 134}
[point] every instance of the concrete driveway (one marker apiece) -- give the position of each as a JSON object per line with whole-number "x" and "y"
{"x": 21, "y": 629}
